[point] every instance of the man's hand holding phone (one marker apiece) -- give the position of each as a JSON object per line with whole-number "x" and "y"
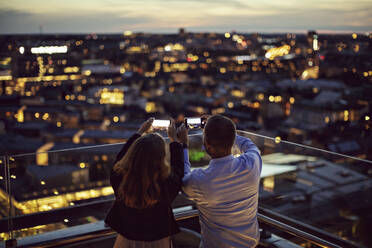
{"x": 195, "y": 122}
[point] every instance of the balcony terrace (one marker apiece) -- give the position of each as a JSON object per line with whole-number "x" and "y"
{"x": 309, "y": 197}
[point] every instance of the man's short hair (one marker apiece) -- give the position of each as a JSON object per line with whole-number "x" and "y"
{"x": 219, "y": 132}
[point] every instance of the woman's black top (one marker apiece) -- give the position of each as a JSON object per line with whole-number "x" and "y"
{"x": 151, "y": 223}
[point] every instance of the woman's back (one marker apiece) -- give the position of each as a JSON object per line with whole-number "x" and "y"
{"x": 144, "y": 190}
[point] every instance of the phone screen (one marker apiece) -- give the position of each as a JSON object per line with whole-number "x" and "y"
{"x": 161, "y": 123}
{"x": 193, "y": 122}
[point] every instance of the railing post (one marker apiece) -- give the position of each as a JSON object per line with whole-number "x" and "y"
{"x": 11, "y": 242}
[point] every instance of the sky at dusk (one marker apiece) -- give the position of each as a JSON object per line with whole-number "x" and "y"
{"x": 167, "y": 16}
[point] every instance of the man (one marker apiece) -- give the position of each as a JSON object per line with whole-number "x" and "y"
{"x": 226, "y": 192}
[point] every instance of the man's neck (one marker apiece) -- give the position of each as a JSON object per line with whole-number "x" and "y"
{"x": 220, "y": 155}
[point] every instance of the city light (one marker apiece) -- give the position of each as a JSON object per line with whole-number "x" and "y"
{"x": 20, "y": 114}
{"x": 260, "y": 97}
{"x": 112, "y": 97}
{"x": 49, "y": 49}
{"x": 315, "y": 45}
{"x": 269, "y": 183}
{"x": 21, "y": 50}
{"x": 42, "y": 154}
{"x": 134, "y": 49}
{"x": 150, "y": 107}
{"x": 274, "y": 52}
{"x": 73, "y": 69}
{"x": 76, "y": 138}
{"x": 309, "y": 73}
{"x": 173, "y": 47}
{"x": 346, "y": 115}
{"x": 245, "y": 57}
{"x": 45, "y": 116}
{"x": 6, "y": 78}
{"x": 192, "y": 58}
{"x": 237, "y": 93}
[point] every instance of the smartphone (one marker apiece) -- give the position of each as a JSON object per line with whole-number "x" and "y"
{"x": 161, "y": 124}
{"x": 194, "y": 122}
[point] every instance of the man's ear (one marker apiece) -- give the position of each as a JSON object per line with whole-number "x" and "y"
{"x": 210, "y": 149}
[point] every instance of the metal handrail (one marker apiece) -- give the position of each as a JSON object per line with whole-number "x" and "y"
{"x": 198, "y": 134}
{"x": 296, "y": 232}
{"x": 276, "y": 221}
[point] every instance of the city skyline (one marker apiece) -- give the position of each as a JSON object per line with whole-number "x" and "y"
{"x": 164, "y": 16}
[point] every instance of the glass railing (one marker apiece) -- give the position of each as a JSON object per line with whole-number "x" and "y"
{"x": 327, "y": 190}
{"x": 324, "y": 189}
{"x": 53, "y": 180}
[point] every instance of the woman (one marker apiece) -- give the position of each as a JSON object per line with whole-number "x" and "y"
{"x": 145, "y": 187}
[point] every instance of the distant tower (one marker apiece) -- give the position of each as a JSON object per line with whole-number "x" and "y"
{"x": 312, "y": 37}
{"x": 181, "y": 31}
{"x": 312, "y": 57}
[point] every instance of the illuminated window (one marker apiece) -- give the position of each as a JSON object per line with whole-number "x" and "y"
{"x": 150, "y": 107}
{"x": 111, "y": 97}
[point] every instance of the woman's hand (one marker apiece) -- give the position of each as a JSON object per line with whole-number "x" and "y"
{"x": 183, "y": 134}
{"x": 146, "y": 126}
{"x": 172, "y": 131}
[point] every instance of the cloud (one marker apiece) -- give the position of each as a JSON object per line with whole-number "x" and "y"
{"x": 13, "y": 21}
{"x": 195, "y": 15}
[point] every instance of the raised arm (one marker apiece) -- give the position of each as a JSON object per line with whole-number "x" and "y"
{"x": 186, "y": 160}
{"x": 176, "y": 174}
{"x": 183, "y": 137}
{"x": 145, "y": 127}
{"x": 176, "y": 157}
{"x": 250, "y": 152}
{"x": 190, "y": 179}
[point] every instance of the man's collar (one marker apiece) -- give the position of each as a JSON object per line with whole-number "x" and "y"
{"x": 221, "y": 160}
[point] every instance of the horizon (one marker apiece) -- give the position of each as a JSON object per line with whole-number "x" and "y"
{"x": 167, "y": 16}
{"x": 323, "y": 32}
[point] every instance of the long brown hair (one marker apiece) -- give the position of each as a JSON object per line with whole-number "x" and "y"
{"x": 143, "y": 167}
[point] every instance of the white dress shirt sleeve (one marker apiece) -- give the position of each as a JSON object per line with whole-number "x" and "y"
{"x": 250, "y": 152}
